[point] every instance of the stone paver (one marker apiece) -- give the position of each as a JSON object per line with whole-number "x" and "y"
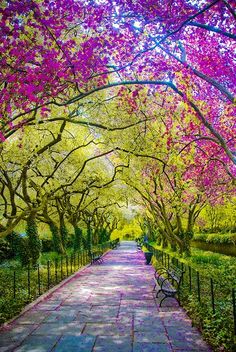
{"x": 109, "y": 307}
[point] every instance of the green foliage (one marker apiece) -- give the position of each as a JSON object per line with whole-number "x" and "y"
{"x": 104, "y": 236}
{"x": 47, "y": 245}
{"x": 64, "y": 236}
{"x": 78, "y": 238}
{"x": 216, "y": 327}
{"x": 24, "y": 252}
{"x": 34, "y": 242}
{"x": 57, "y": 241}
{"x": 60, "y": 268}
{"x": 5, "y": 250}
{"x": 14, "y": 240}
{"x": 216, "y": 238}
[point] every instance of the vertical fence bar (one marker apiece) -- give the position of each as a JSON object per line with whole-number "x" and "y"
{"x": 14, "y": 284}
{"x": 39, "y": 282}
{"x": 182, "y": 268}
{"x": 48, "y": 274}
{"x": 212, "y": 296}
{"x": 234, "y": 309}
{"x": 71, "y": 263}
{"x": 168, "y": 261}
{"x": 61, "y": 268}
{"x": 78, "y": 260}
{"x": 198, "y": 287}
{"x": 56, "y": 266}
{"x": 67, "y": 269}
{"x": 82, "y": 257}
{"x": 28, "y": 280}
{"x": 190, "y": 278}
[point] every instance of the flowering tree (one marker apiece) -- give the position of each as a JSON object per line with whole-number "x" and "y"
{"x": 59, "y": 52}
{"x": 171, "y": 59}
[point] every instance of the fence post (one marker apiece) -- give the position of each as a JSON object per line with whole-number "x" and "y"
{"x": 198, "y": 287}
{"x": 71, "y": 263}
{"x": 56, "y": 265}
{"x": 28, "y": 279}
{"x": 67, "y": 269}
{"x": 14, "y": 284}
{"x": 190, "y": 278}
{"x": 39, "y": 283}
{"x": 182, "y": 268}
{"x": 83, "y": 257}
{"x": 48, "y": 273}
{"x": 212, "y": 296}
{"x": 61, "y": 267}
{"x": 234, "y": 309}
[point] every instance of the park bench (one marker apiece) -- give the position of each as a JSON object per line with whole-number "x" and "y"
{"x": 139, "y": 242}
{"x": 96, "y": 257}
{"x": 168, "y": 281}
{"x": 115, "y": 243}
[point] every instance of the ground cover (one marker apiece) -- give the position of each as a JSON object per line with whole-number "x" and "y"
{"x": 21, "y": 285}
{"x": 206, "y": 293}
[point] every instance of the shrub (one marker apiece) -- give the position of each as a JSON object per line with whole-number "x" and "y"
{"x": 5, "y": 250}
{"x": 24, "y": 251}
{"x": 47, "y": 245}
{"x": 78, "y": 238}
{"x": 200, "y": 237}
{"x": 14, "y": 240}
{"x": 216, "y": 238}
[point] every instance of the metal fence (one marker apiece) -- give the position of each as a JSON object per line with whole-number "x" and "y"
{"x": 216, "y": 296}
{"x": 22, "y": 285}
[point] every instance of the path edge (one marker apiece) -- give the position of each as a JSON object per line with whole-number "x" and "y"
{"x": 46, "y": 294}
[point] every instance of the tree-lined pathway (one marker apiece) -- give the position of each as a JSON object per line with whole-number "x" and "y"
{"x": 104, "y": 308}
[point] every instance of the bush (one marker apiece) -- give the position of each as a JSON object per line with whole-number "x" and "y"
{"x": 200, "y": 237}
{"x": 47, "y": 245}
{"x": 78, "y": 238}
{"x": 14, "y": 240}
{"x": 222, "y": 239}
{"x": 24, "y": 251}
{"x": 216, "y": 238}
{"x": 5, "y": 250}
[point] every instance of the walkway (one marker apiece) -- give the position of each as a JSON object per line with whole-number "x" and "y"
{"x": 105, "y": 308}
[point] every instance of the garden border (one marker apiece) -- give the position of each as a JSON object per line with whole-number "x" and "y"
{"x": 46, "y": 294}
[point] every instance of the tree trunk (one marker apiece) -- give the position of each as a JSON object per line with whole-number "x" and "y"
{"x": 63, "y": 230}
{"x": 57, "y": 240}
{"x": 78, "y": 237}
{"x": 34, "y": 242}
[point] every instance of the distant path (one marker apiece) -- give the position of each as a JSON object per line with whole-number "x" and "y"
{"x": 105, "y": 308}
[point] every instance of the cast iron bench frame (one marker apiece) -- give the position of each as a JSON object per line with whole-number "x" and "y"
{"x": 96, "y": 257}
{"x": 168, "y": 280}
{"x": 115, "y": 243}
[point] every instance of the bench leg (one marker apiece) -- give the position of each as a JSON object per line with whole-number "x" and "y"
{"x": 162, "y": 300}
{"x": 168, "y": 297}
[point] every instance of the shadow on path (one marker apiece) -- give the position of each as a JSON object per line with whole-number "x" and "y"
{"x": 107, "y": 307}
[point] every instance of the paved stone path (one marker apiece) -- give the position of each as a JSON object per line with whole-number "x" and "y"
{"x": 105, "y": 308}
